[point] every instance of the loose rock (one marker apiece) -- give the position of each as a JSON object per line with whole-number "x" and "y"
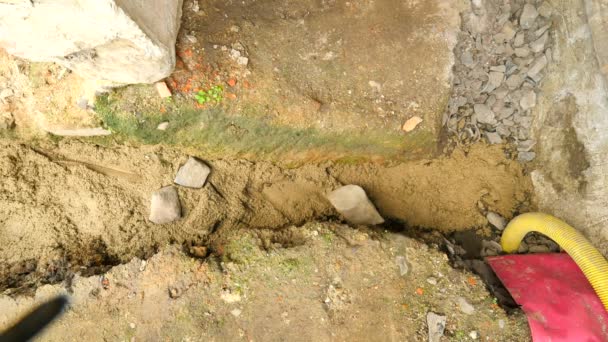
{"x": 496, "y": 220}
{"x": 193, "y": 174}
{"x": 528, "y": 16}
{"x": 528, "y": 99}
{"x": 352, "y": 202}
{"x": 412, "y": 123}
{"x": 402, "y": 264}
{"x": 165, "y": 206}
{"x": 537, "y": 66}
{"x": 465, "y": 306}
{"x": 162, "y": 89}
{"x": 526, "y": 156}
{"x": 484, "y": 114}
{"x": 436, "y": 325}
{"x": 162, "y": 126}
{"x": 539, "y": 44}
{"x": 493, "y": 138}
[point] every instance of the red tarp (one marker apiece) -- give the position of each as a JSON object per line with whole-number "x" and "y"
{"x": 555, "y": 295}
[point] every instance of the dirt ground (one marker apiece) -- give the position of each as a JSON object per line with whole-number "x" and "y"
{"x": 260, "y": 254}
{"x": 336, "y": 284}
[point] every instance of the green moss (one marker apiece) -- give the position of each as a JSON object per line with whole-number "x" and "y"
{"x": 213, "y": 132}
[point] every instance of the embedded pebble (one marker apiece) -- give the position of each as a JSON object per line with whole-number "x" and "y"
{"x": 465, "y": 306}
{"x": 496, "y": 220}
{"x": 526, "y": 156}
{"x": 473, "y": 335}
{"x": 493, "y": 138}
{"x": 528, "y": 100}
{"x": 484, "y": 114}
{"x": 528, "y": 16}
{"x": 436, "y": 326}
{"x": 165, "y": 206}
{"x": 162, "y": 126}
{"x": 351, "y": 201}
{"x": 402, "y": 264}
{"x": 539, "y": 44}
{"x": 193, "y": 174}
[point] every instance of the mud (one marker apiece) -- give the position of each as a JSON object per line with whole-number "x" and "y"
{"x": 76, "y": 207}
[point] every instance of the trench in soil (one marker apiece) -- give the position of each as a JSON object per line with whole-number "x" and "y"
{"x": 73, "y": 207}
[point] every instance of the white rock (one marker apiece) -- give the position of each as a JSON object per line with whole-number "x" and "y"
{"x": 402, "y": 264}
{"x": 473, "y": 335}
{"x": 235, "y": 312}
{"x": 528, "y": 100}
{"x": 528, "y": 16}
{"x": 242, "y": 61}
{"x": 121, "y": 42}
{"x": 465, "y": 306}
{"x": 436, "y": 325}
{"x": 193, "y": 174}
{"x": 163, "y": 126}
{"x": 484, "y": 114}
{"x": 496, "y": 220}
{"x": 501, "y": 323}
{"x": 165, "y": 206}
{"x": 352, "y": 202}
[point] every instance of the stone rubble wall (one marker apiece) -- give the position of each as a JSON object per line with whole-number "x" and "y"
{"x": 571, "y": 121}
{"x": 117, "y": 42}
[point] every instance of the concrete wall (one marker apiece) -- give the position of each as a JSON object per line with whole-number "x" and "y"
{"x": 120, "y": 42}
{"x": 571, "y": 179}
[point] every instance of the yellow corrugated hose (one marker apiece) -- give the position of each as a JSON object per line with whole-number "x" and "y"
{"x": 590, "y": 260}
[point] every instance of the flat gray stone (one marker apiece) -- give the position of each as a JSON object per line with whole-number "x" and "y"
{"x": 436, "y": 325}
{"x": 514, "y": 81}
{"x": 528, "y": 16}
{"x": 193, "y": 174}
{"x": 495, "y": 79}
{"x": 539, "y": 44}
{"x": 165, "y": 206}
{"x": 519, "y": 39}
{"x": 528, "y": 99}
{"x": 484, "y": 114}
{"x": 496, "y": 220}
{"x": 526, "y": 156}
{"x": 522, "y": 52}
{"x": 465, "y": 306}
{"x": 351, "y": 201}
{"x": 537, "y": 66}
{"x": 493, "y": 138}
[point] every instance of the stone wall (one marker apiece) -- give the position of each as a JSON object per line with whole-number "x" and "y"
{"x": 571, "y": 179}
{"x": 118, "y": 42}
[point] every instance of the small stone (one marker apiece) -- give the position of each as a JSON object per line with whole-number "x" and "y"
{"x": 484, "y": 114}
{"x": 508, "y": 31}
{"x": 162, "y": 126}
{"x": 165, "y": 206}
{"x": 528, "y": 100}
{"x": 132, "y": 325}
{"x": 505, "y": 113}
{"x": 539, "y": 44}
{"x": 537, "y": 66}
{"x": 142, "y": 265}
{"x": 193, "y": 174}
{"x": 503, "y": 130}
{"x": 175, "y": 292}
{"x": 545, "y": 9}
{"x": 192, "y": 39}
{"x": 490, "y": 248}
{"x": 493, "y": 138}
{"x": 234, "y": 28}
{"x": 522, "y": 52}
{"x": 162, "y": 89}
{"x": 352, "y": 202}
{"x": 526, "y": 145}
{"x": 473, "y": 334}
{"x": 375, "y": 85}
{"x": 501, "y": 92}
{"x": 412, "y": 123}
{"x": 230, "y": 297}
{"x": 467, "y": 59}
{"x": 519, "y": 39}
{"x": 465, "y": 306}
{"x": 234, "y": 54}
{"x": 82, "y": 102}
{"x": 436, "y": 325}
{"x": 402, "y": 263}
{"x": 539, "y": 249}
{"x": 499, "y": 68}
{"x": 528, "y": 16}
{"x": 431, "y": 281}
{"x": 244, "y": 61}
{"x": 235, "y": 312}
{"x": 514, "y": 81}
{"x": 501, "y": 323}
{"x": 495, "y": 79}
{"x": 508, "y": 123}
{"x": 199, "y": 251}
{"x": 526, "y": 156}
{"x": 496, "y": 220}
{"x": 542, "y": 30}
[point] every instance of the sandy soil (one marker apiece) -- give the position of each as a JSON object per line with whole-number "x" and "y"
{"x": 335, "y": 284}
{"x": 73, "y": 204}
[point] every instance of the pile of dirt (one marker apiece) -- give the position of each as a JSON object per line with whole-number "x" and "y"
{"x": 76, "y": 206}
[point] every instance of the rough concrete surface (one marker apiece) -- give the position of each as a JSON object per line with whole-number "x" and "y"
{"x": 571, "y": 124}
{"x": 120, "y": 42}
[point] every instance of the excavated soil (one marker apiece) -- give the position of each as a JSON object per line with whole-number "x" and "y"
{"x": 77, "y": 207}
